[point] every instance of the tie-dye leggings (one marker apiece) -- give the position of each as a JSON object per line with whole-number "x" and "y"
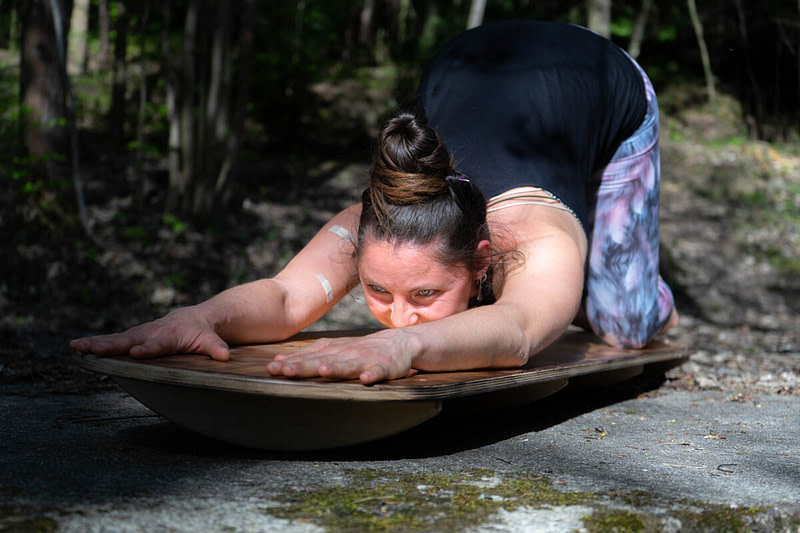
{"x": 625, "y": 301}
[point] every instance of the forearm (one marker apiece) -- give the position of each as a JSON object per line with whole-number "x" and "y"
{"x": 537, "y": 304}
{"x": 502, "y": 335}
{"x": 273, "y": 309}
{"x": 250, "y": 313}
{"x": 495, "y": 336}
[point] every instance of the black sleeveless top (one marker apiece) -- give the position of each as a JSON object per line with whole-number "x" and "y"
{"x": 533, "y": 103}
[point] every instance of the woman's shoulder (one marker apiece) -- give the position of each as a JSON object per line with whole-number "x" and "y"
{"x": 526, "y": 214}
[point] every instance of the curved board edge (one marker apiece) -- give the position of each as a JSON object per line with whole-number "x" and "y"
{"x": 275, "y": 423}
{"x": 504, "y": 399}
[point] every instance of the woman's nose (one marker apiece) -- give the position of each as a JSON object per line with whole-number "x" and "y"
{"x": 403, "y": 314}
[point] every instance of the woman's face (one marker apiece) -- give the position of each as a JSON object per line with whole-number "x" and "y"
{"x": 404, "y": 284}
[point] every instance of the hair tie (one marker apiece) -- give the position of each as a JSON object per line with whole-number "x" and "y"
{"x": 457, "y": 184}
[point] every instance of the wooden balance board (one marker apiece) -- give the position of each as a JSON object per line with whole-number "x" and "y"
{"x": 239, "y": 402}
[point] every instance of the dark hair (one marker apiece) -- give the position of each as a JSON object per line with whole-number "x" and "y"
{"x": 416, "y": 196}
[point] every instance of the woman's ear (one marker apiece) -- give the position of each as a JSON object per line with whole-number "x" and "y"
{"x": 484, "y": 258}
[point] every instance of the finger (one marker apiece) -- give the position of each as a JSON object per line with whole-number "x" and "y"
{"x": 82, "y": 344}
{"x": 275, "y": 368}
{"x": 302, "y": 354}
{"x": 105, "y": 345}
{"x": 220, "y": 352}
{"x": 213, "y": 345}
{"x": 312, "y": 367}
{"x": 298, "y": 355}
{"x": 320, "y": 345}
{"x": 342, "y": 369}
{"x": 154, "y": 347}
{"x": 289, "y": 370}
{"x": 373, "y": 374}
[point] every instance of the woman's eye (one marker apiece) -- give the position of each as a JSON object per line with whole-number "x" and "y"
{"x": 377, "y": 289}
{"x": 426, "y": 293}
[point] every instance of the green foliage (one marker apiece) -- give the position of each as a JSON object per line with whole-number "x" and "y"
{"x": 12, "y": 165}
{"x": 143, "y": 148}
{"x": 31, "y": 192}
{"x": 177, "y": 280}
{"x": 92, "y": 96}
{"x": 177, "y": 225}
{"x": 622, "y": 27}
{"x": 667, "y": 33}
{"x": 303, "y": 49}
{"x": 136, "y": 233}
{"x": 736, "y": 140}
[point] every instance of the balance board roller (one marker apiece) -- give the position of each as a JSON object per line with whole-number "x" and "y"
{"x": 239, "y": 402}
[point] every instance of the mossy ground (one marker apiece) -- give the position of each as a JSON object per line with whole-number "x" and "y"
{"x": 12, "y": 520}
{"x": 386, "y": 501}
{"x": 389, "y": 502}
{"x": 619, "y": 521}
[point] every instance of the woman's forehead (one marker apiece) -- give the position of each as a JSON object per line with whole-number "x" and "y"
{"x": 381, "y": 258}
{"x": 393, "y": 250}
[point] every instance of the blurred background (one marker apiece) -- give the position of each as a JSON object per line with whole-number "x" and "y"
{"x": 155, "y": 153}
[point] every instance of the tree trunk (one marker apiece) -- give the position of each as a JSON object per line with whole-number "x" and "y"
{"x": 637, "y": 35}
{"x": 210, "y": 132}
{"x": 173, "y": 120}
{"x": 599, "y": 16}
{"x": 117, "y": 115}
{"x": 755, "y": 101}
{"x": 142, "y": 75}
{"x": 476, "y": 10}
{"x": 104, "y": 26}
{"x": 701, "y": 43}
{"x": 50, "y": 133}
{"x": 215, "y": 102}
{"x": 10, "y": 37}
{"x": 78, "y": 38}
{"x": 404, "y": 9}
{"x": 427, "y": 35}
{"x": 179, "y": 187}
{"x": 43, "y": 89}
{"x": 365, "y": 23}
{"x": 246, "y": 48}
{"x": 205, "y": 126}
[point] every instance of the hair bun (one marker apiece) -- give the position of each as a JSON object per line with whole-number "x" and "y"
{"x": 416, "y": 196}
{"x": 410, "y": 164}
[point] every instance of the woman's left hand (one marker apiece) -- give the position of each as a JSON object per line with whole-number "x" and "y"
{"x": 387, "y": 354}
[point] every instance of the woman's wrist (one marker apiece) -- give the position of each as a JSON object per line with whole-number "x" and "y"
{"x": 207, "y": 314}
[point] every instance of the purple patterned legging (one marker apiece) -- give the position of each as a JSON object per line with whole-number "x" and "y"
{"x": 625, "y": 301}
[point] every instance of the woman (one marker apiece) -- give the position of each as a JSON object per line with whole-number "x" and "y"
{"x": 558, "y": 128}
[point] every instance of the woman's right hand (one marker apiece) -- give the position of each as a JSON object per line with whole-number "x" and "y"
{"x": 184, "y": 330}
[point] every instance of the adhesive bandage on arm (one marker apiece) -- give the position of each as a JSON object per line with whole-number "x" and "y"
{"x": 341, "y": 232}
{"x": 327, "y": 286}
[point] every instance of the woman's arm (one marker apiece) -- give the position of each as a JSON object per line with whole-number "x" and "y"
{"x": 261, "y": 311}
{"x": 536, "y": 303}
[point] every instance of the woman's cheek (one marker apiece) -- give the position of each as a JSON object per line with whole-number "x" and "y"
{"x": 442, "y": 309}
{"x": 379, "y": 310}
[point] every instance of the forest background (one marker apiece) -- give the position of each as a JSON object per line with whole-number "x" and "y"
{"x": 155, "y": 153}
